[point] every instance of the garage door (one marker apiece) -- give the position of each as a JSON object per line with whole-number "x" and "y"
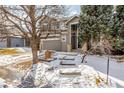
{"x": 17, "y": 42}
{"x": 52, "y": 45}
{"x": 2, "y": 44}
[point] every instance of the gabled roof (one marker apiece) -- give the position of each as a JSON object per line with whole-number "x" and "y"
{"x": 71, "y": 18}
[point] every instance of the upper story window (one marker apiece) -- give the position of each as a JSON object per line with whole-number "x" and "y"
{"x": 55, "y": 26}
{"x": 45, "y": 26}
{"x": 62, "y": 26}
{"x": 74, "y": 27}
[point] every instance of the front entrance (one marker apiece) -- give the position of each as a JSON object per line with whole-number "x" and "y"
{"x": 74, "y": 42}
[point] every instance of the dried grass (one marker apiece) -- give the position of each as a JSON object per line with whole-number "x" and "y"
{"x": 7, "y": 51}
{"x": 5, "y": 73}
{"x": 23, "y": 65}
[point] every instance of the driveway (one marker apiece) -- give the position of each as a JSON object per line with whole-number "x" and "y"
{"x": 99, "y": 63}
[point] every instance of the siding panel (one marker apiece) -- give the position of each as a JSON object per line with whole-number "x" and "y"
{"x": 16, "y": 42}
{"x": 52, "y": 45}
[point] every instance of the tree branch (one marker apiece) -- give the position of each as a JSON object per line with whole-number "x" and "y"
{"x": 7, "y": 12}
{"x": 17, "y": 26}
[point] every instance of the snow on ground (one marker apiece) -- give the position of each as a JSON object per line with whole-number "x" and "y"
{"x": 81, "y": 76}
{"x": 54, "y": 74}
{"x": 8, "y": 59}
{"x": 11, "y": 59}
{"x": 8, "y": 71}
{"x": 2, "y": 83}
{"x": 100, "y": 64}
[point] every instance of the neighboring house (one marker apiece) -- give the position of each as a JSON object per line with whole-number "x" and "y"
{"x": 12, "y": 42}
{"x": 9, "y": 35}
{"x": 13, "y": 39}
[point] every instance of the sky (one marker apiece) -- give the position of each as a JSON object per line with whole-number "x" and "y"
{"x": 74, "y": 9}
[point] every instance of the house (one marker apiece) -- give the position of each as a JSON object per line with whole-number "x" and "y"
{"x": 62, "y": 35}
{"x": 67, "y": 39}
{"x": 9, "y": 35}
{"x": 11, "y": 39}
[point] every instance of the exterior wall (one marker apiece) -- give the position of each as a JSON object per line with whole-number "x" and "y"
{"x": 75, "y": 20}
{"x": 3, "y": 43}
{"x": 58, "y": 44}
{"x": 16, "y": 42}
{"x": 52, "y": 45}
{"x": 64, "y": 42}
{"x": 55, "y": 44}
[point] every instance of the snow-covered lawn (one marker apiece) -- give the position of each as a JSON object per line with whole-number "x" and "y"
{"x": 64, "y": 70}
{"x": 24, "y": 55}
{"x": 81, "y": 76}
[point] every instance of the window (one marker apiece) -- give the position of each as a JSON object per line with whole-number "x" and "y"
{"x": 45, "y": 26}
{"x": 74, "y": 27}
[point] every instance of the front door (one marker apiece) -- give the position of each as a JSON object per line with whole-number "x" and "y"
{"x": 73, "y": 40}
{"x": 74, "y": 28}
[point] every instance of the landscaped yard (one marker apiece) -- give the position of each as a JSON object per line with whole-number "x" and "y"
{"x": 63, "y": 70}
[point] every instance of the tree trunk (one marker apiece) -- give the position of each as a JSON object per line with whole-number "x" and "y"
{"x": 38, "y": 44}
{"x": 88, "y": 42}
{"x": 84, "y": 47}
{"x": 34, "y": 47}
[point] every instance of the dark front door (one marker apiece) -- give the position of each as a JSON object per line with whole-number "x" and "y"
{"x": 73, "y": 40}
{"x": 74, "y": 28}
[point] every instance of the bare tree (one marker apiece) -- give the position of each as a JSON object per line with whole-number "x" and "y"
{"x": 28, "y": 19}
{"x": 3, "y": 29}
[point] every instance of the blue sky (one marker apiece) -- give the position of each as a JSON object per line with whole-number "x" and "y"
{"x": 74, "y": 9}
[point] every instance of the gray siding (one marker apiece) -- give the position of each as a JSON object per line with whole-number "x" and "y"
{"x": 16, "y": 42}
{"x": 64, "y": 44}
{"x": 3, "y": 42}
{"x": 52, "y": 45}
